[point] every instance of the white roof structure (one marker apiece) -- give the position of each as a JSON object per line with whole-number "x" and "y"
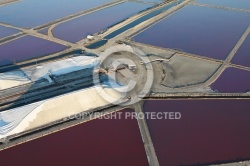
{"x": 70, "y": 65}
{"x": 12, "y": 79}
{"x": 34, "y": 73}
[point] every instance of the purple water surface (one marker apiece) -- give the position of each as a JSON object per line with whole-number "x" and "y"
{"x": 155, "y": 1}
{"x": 242, "y": 57}
{"x": 5, "y": 31}
{"x": 209, "y": 131}
{"x": 200, "y": 30}
{"x": 233, "y": 80}
{"x": 98, "y": 142}
{"x": 79, "y": 28}
{"x": 25, "y": 48}
{"x": 242, "y": 4}
{"x": 44, "y": 31}
{"x": 31, "y": 13}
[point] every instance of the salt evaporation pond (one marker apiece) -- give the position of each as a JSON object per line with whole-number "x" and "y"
{"x": 232, "y": 80}
{"x": 79, "y": 28}
{"x": 5, "y": 31}
{"x": 242, "y": 4}
{"x": 242, "y": 56}
{"x": 131, "y": 25}
{"x": 31, "y": 13}
{"x": 200, "y": 30}
{"x": 25, "y": 48}
{"x": 209, "y": 131}
{"x": 97, "y": 142}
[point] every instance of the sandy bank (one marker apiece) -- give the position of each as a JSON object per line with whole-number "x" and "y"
{"x": 58, "y": 108}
